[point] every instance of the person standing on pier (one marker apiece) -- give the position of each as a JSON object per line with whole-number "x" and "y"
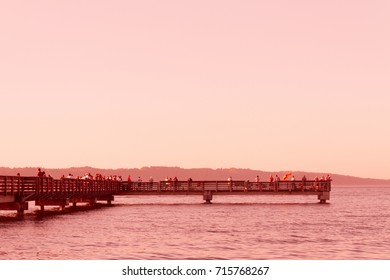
{"x": 189, "y": 182}
{"x": 230, "y": 182}
{"x": 322, "y": 182}
{"x": 257, "y": 180}
{"x": 292, "y": 183}
{"x": 40, "y": 173}
{"x": 328, "y": 179}
{"x": 315, "y": 186}
{"x": 271, "y": 181}
{"x": 304, "y": 179}
{"x": 277, "y": 180}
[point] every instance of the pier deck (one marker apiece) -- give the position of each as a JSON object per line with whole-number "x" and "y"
{"x": 17, "y": 191}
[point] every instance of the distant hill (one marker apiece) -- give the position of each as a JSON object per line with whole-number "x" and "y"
{"x": 160, "y": 173}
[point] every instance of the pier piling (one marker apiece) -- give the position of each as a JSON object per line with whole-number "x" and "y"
{"x": 207, "y": 196}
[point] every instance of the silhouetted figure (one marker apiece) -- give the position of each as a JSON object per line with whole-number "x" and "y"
{"x": 315, "y": 187}
{"x": 271, "y": 181}
{"x": 230, "y": 182}
{"x": 189, "y": 183}
{"x": 40, "y": 173}
{"x": 257, "y": 180}
{"x": 292, "y": 183}
{"x": 277, "y": 180}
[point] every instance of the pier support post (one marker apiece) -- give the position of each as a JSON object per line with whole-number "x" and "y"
{"x": 60, "y": 202}
{"x": 12, "y": 202}
{"x": 20, "y": 213}
{"x": 207, "y": 196}
{"x": 323, "y": 197}
{"x": 19, "y": 206}
{"x": 108, "y": 198}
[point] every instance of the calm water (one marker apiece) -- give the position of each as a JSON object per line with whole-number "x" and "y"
{"x": 354, "y": 225}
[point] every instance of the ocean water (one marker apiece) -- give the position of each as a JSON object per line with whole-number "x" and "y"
{"x": 354, "y": 224}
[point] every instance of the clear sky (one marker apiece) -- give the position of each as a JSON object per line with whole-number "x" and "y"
{"x": 270, "y": 85}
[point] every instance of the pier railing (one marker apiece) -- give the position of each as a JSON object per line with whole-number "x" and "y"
{"x": 37, "y": 187}
{"x": 225, "y": 186}
{"x": 34, "y": 187}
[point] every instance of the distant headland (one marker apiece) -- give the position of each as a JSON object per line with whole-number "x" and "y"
{"x": 161, "y": 172}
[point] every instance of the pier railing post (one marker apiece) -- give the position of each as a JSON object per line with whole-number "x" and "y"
{"x": 12, "y": 185}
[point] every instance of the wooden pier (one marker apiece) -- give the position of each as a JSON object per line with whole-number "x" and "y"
{"x": 17, "y": 191}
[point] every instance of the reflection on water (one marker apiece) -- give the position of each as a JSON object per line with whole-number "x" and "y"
{"x": 354, "y": 225}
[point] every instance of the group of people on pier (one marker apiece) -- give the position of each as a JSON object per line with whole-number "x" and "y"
{"x": 293, "y": 185}
{"x": 97, "y": 177}
{"x": 86, "y": 176}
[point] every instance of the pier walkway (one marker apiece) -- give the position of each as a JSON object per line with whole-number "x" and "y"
{"x": 17, "y": 191}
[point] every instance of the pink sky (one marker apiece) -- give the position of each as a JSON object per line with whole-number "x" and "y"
{"x": 270, "y": 85}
